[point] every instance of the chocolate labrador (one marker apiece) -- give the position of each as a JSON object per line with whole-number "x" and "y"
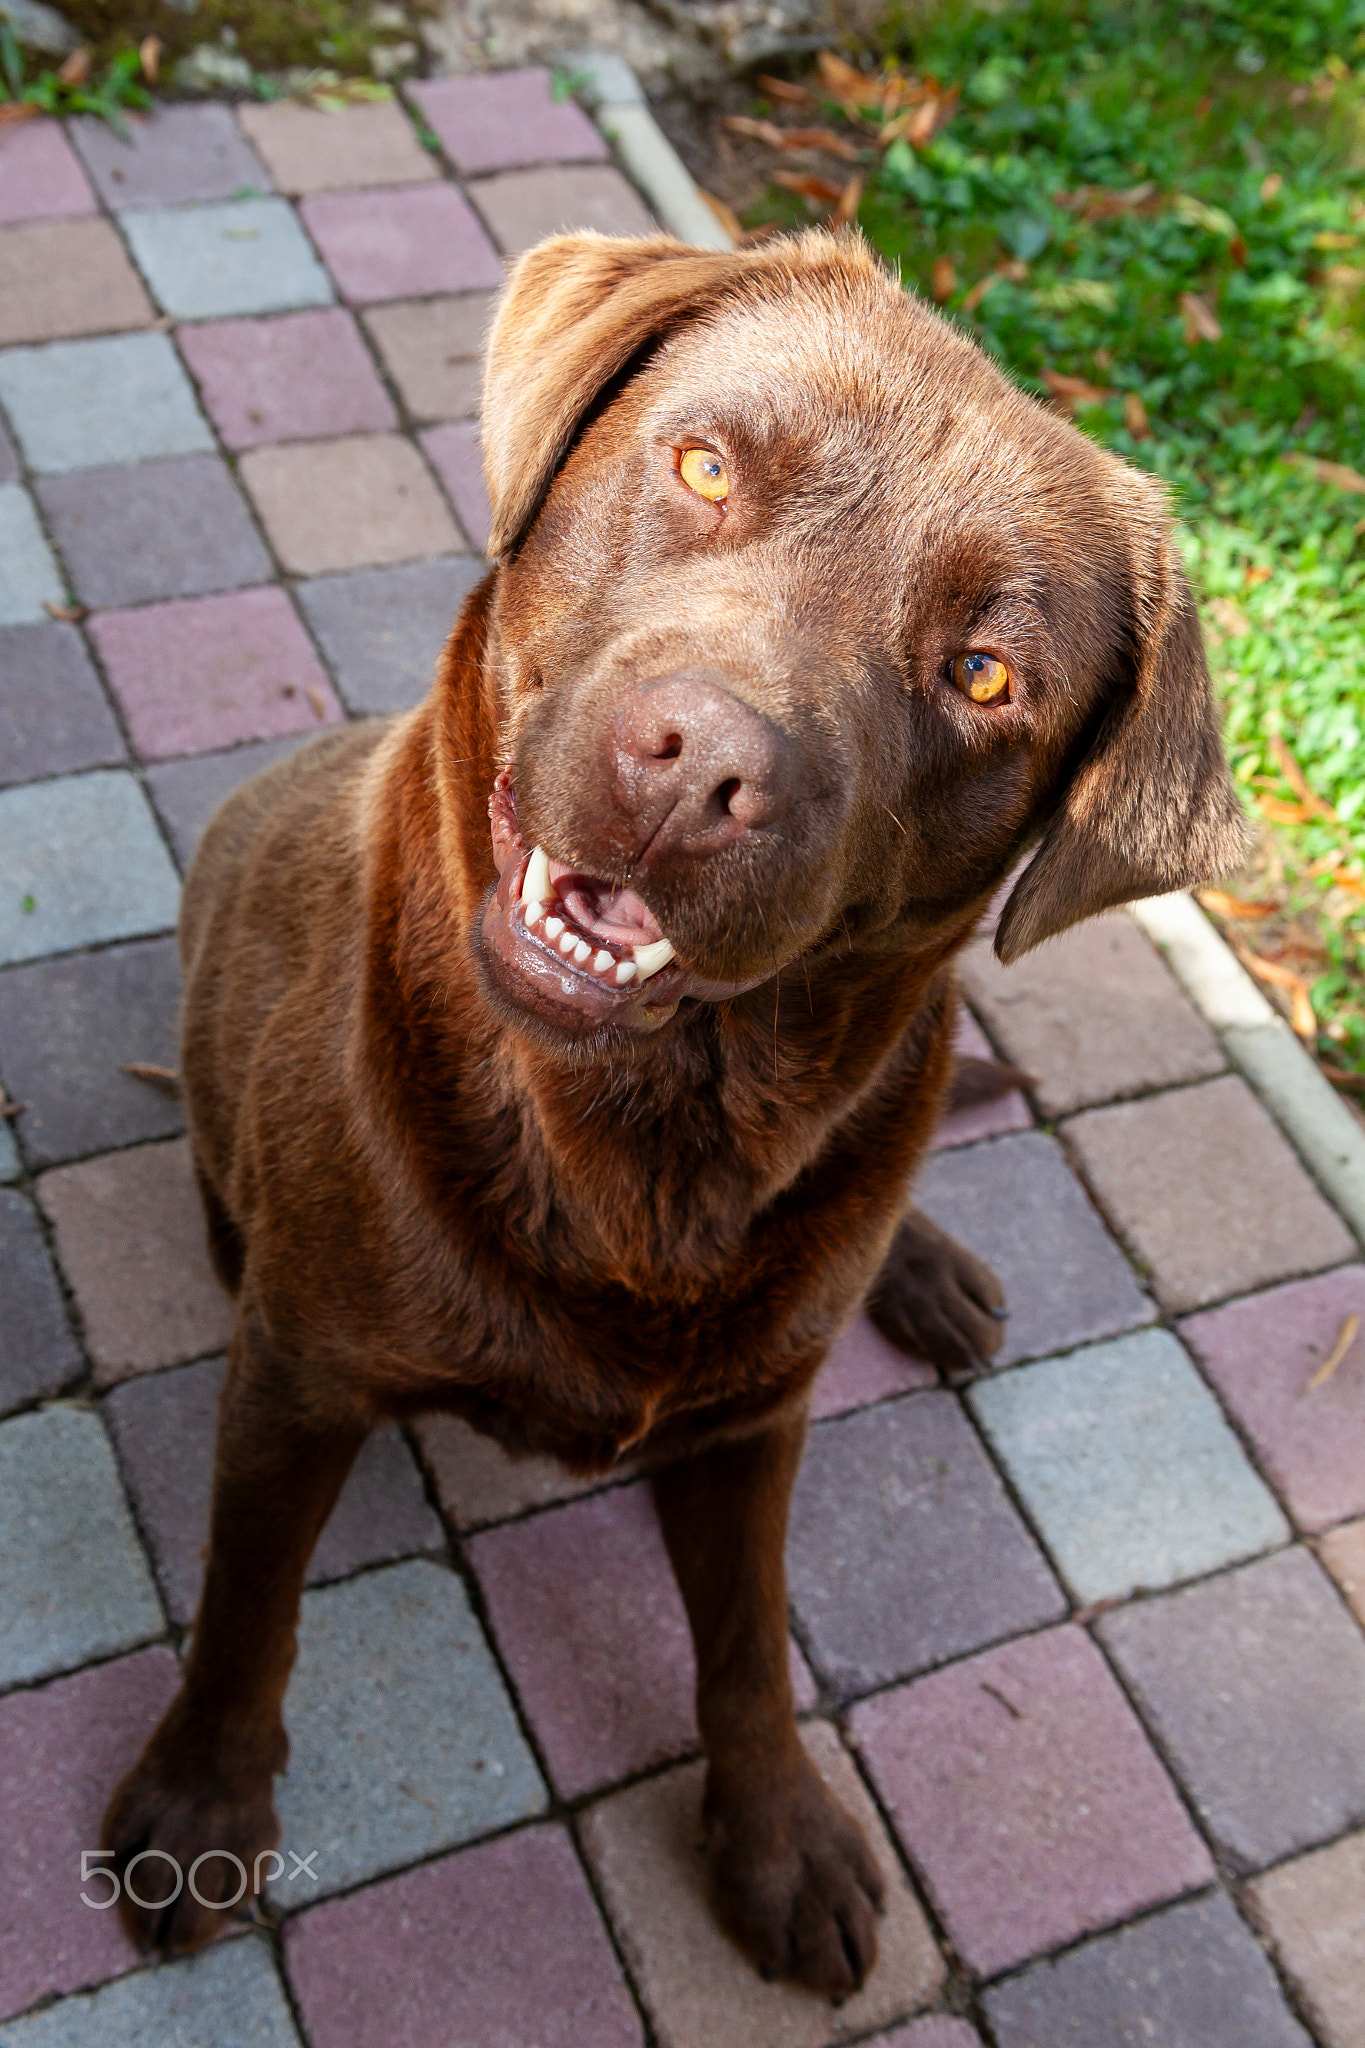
{"x": 559, "y": 1054}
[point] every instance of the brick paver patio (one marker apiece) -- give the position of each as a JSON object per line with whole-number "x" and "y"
{"x": 1082, "y": 1643}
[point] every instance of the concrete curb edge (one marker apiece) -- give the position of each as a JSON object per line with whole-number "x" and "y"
{"x": 609, "y": 89}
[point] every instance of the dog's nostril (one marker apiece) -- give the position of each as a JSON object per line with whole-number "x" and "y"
{"x": 727, "y": 793}
{"x": 669, "y": 747}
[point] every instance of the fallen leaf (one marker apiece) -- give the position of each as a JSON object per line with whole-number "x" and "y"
{"x": 1344, "y": 277}
{"x": 76, "y": 69}
{"x": 1237, "y": 250}
{"x": 1102, "y": 202}
{"x": 1271, "y": 185}
{"x": 1346, "y": 1337}
{"x": 1223, "y": 905}
{"x": 164, "y": 1078}
{"x": 823, "y": 191}
{"x": 316, "y": 699}
{"x": 1343, "y": 1077}
{"x": 849, "y": 199}
{"x": 783, "y": 89}
{"x": 1297, "y": 780}
{"x": 149, "y": 57}
{"x": 843, "y": 82}
{"x": 1258, "y": 572}
{"x": 820, "y": 138}
{"x": 756, "y": 131}
{"x": 726, "y": 215}
{"x": 1302, "y": 1016}
{"x": 19, "y": 110}
{"x": 1330, "y": 240}
{"x": 1074, "y": 391}
{"x": 942, "y": 279}
{"x": 1338, "y": 473}
{"x": 71, "y": 613}
{"x": 1083, "y": 1615}
{"x": 1230, "y": 617}
{"x": 1135, "y": 416}
{"x": 1201, "y": 324}
{"x": 1014, "y": 271}
{"x": 8, "y": 1108}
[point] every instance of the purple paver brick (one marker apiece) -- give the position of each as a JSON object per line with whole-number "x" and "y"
{"x": 163, "y": 1430}
{"x": 357, "y": 503}
{"x": 1343, "y": 1553}
{"x": 591, "y": 1625}
{"x": 40, "y": 178}
{"x": 38, "y": 1353}
{"x": 1261, "y": 1354}
{"x": 1029, "y": 1798}
{"x": 523, "y": 207}
{"x": 1192, "y": 1977}
{"x": 502, "y": 1944}
{"x": 502, "y": 120}
{"x": 311, "y": 150}
{"x": 937, "y": 2030}
{"x": 69, "y": 1026}
{"x": 62, "y": 1749}
{"x": 173, "y": 155}
{"x": 295, "y": 378}
{"x": 130, "y": 1239}
{"x": 457, "y": 458}
{"x": 1254, "y": 1685}
{"x": 1313, "y": 1911}
{"x": 904, "y": 1548}
{"x": 54, "y": 716}
{"x": 64, "y": 277}
{"x": 1184, "y": 1177}
{"x": 157, "y": 529}
{"x": 382, "y": 630}
{"x": 864, "y": 1367}
{"x": 200, "y": 672}
{"x": 1016, "y": 1203}
{"x": 401, "y": 244}
{"x": 983, "y": 1119}
{"x": 188, "y": 792}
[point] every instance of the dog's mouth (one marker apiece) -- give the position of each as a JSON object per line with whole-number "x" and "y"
{"x": 575, "y": 950}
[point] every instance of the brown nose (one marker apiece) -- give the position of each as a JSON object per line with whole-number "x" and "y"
{"x": 696, "y": 767}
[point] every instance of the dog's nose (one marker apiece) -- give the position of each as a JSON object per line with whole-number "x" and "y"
{"x": 696, "y": 767}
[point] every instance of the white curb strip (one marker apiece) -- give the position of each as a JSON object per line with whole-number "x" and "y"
{"x": 1256, "y": 1038}
{"x": 1318, "y": 1124}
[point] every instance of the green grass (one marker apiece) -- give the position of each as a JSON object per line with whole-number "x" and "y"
{"x": 1245, "y": 121}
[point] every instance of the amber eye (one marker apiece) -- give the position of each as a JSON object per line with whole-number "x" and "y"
{"x": 983, "y": 678}
{"x": 702, "y": 470}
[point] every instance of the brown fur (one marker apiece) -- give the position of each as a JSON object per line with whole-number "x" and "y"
{"x": 641, "y": 1238}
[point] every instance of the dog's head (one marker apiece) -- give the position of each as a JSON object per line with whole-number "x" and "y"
{"x": 808, "y": 622}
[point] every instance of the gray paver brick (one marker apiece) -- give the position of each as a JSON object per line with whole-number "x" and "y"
{"x": 1254, "y": 1685}
{"x": 188, "y": 792}
{"x": 1127, "y": 1466}
{"x": 244, "y": 256}
{"x": 85, "y": 857}
{"x": 29, "y": 577}
{"x": 156, "y": 529}
{"x": 382, "y": 629}
{"x": 37, "y": 1350}
{"x": 1192, "y": 1977}
{"x": 384, "y": 1768}
{"x": 9, "y": 458}
{"x": 171, "y": 157}
{"x": 904, "y": 1548}
{"x": 83, "y": 404}
{"x": 76, "y": 1583}
{"x": 53, "y": 714}
{"x": 1016, "y": 1203}
{"x": 229, "y": 1997}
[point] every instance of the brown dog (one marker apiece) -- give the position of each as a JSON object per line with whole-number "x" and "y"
{"x": 596, "y": 1128}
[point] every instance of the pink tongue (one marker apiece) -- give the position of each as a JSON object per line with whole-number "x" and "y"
{"x": 616, "y": 915}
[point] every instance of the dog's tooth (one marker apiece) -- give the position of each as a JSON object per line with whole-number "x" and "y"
{"x": 534, "y": 912}
{"x": 625, "y": 972}
{"x": 602, "y": 961}
{"x": 649, "y": 959}
{"x": 581, "y": 951}
{"x": 553, "y": 927}
{"x": 567, "y": 943}
{"x": 537, "y": 885}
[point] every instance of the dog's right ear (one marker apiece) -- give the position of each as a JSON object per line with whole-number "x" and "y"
{"x": 576, "y": 309}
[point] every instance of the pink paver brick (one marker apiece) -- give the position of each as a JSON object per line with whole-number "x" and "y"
{"x": 1261, "y": 1354}
{"x": 937, "y": 2030}
{"x": 62, "y": 1747}
{"x": 478, "y": 1482}
{"x": 862, "y": 1368}
{"x": 349, "y": 504}
{"x": 434, "y": 351}
{"x": 203, "y": 672}
{"x": 130, "y": 1239}
{"x": 500, "y": 120}
{"x": 523, "y": 207}
{"x": 67, "y": 277}
{"x": 401, "y": 244}
{"x": 457, "y": 458}
{"x": 308, "y": 150}
{"x": 499, "y": 1946}
{"x": 1313, "y": 1913}
{"x": 983, "y": 1119}
{"x": 1343, "y": 1553}
{"x": 588, "y": 1617}
{"x": 40, "y": 175}
{"x": 293, "y": 379}
{"x": 1029, "y": 1798}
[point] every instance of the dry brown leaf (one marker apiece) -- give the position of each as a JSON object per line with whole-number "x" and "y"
{"x": 1102, "y": 202}
{"x": 726, "y": 215}
{"x": 164, "y": 1078}
{"x": 783, "y": 89}
{"x": 19, "y": 110}
{"x": 849, "y": 200}
{"x": 316, "y": 699}
{"x": 979, "y": 291}
{"x": 1223, "y": 905}
{"x": 756, "y": 131}
{"x": 76, "y": 69}
{"x": 1135, "y": 416}
{"x": 1074, "y": 391}
{"x": 1237, "y": 250}
{"x": 1297, "y": 780}
{"x": 1343, "y": 880}
{"x": 1346, "y": 1337}
{"x": 942, "y": 279}
{"x": 1258, "y": 572}
{"x": 1338, "y": 473}
{"x": 1201, "y": 322}
{"x": 1280, "y": 813}
{"x": 71, "y": 613}
{"x": 1271, "y": 185}
{"x": 842, "y": 82}
{"x": 823, "y": 191}
{"x": 1343, "y": 1077}
{"x": 8, "y": 1108}
{"x": 1344, "y": 277}
{"x": 1230, "y": 618}
{"x": 820, "y": 138}
{"x": 1302, "y": 1016}
{"x": 149, "y": 57}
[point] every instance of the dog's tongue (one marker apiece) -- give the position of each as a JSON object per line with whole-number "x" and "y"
{"x": 616, "y": 916}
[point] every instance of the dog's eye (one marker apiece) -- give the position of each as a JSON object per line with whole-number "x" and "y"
{"x": 702, "y": 470}
{"x": 984, "y": 678}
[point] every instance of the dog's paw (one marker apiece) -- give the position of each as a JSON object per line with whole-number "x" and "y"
{"x": 796, "y": 1884}
{"x": 208, "y": 1855}
{"x": 937, "y": 1300}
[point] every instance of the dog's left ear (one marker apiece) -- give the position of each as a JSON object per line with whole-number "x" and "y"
{"x": 1151, "y": 806}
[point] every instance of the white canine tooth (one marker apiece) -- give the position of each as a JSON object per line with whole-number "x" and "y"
{"x": 601, "y": 961}
{"x": 581, "y": 951}
{"x": 649, "y": 959}
{"x": 567, "y": 943}
{"x": 553, "y": 927}
{"x": 534, "y": 912}
{"x": 625, "y": 972}
{"x": 537, "y": 885}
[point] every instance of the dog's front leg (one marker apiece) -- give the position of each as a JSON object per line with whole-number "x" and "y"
{"x": 203, "y": 1783}
{"x": 794, "y": 1878}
